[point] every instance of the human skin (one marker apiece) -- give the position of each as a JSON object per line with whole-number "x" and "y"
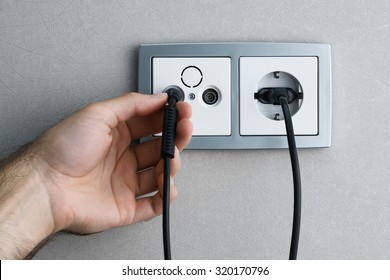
{"x": 82, "y": 175}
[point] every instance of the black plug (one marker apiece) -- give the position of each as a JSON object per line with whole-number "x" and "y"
{"x": 272, "y": 95}
{"x": 175, "y": 94}
{"x": 284, "y": 96}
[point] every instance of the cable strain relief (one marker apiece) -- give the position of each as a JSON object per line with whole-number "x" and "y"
{"x": 169, "y": 131}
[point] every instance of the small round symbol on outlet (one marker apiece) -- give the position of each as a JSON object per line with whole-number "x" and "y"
{"x": 191, "y": 76}
{"x": 191, "y": 96}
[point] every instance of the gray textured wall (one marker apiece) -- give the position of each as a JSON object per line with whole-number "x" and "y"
{"x": 56, "y": 56}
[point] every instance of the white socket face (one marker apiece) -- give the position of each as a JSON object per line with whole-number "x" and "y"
{"x": 256, "y": 73}
{"x": 206, "y": 83}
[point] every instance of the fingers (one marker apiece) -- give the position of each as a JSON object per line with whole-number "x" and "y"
{"x": 144, "y": 121}
{"x": 148, "y": 179}
{"x": 149, "y": 153}
{"x": 132, "y": 105}
{"x": 152, "y": 180}
{"x": 143, "y": 113}
{"x": 184, "y": 125}
{"x": 175, "y": 165}
{"x": 183, "y": 133}
{"x": 145, "y": 126}
{"x": 147, "y": 183}
{"x": 149, "y": 207}
{"x": 152, "y": 124}
{"x": 184, "y": 110}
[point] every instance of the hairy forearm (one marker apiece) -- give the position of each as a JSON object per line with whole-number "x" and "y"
{"x": 25, "y": 212}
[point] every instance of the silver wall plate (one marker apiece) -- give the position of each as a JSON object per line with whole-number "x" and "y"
{"x": 235, "y": 51}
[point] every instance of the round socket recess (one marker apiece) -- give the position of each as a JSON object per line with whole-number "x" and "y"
{"x": 211, "y": 96}
{"x": 279, "y": 79}
{"x": 191, "y": 76}
{"x": 199, "y": 74}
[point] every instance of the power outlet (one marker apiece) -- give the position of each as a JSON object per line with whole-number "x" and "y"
{"x": 206, "y": 85}
{"x": 220, "y": 79}
{"x": 298, "y": 73}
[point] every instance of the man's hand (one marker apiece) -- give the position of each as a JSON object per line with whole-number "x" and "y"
{"x": 88, "y": 176}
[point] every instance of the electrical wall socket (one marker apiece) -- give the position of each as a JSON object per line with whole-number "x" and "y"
{"x": 299, "y": 73}
{"x": 199, "y": 78}
{"x": 220, "y": 79}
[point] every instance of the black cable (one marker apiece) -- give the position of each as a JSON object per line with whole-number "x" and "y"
{"x": 166, "y": 192}
{"x": 168, "y": 152}
{"x": 175, "y": 94}
{"x": 296, "y": 177}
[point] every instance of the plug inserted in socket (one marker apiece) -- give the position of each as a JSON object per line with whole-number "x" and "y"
{"x": 297, "y": 73}
{"x": 206, "y": 83}
{"x": 227, "y": 116}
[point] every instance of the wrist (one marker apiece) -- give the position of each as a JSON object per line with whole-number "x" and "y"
{"x": 26, "y": 217}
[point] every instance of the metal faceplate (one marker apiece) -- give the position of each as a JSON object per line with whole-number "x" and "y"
{"x": 236, "y": 51}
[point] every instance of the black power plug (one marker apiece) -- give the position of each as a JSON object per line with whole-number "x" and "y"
{"x": 272, "y": 95}
{"x": 283, "y": 96}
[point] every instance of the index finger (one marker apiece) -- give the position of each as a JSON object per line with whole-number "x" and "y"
{"x": 132, "y": 105}
{"x": 152, "y": 124}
